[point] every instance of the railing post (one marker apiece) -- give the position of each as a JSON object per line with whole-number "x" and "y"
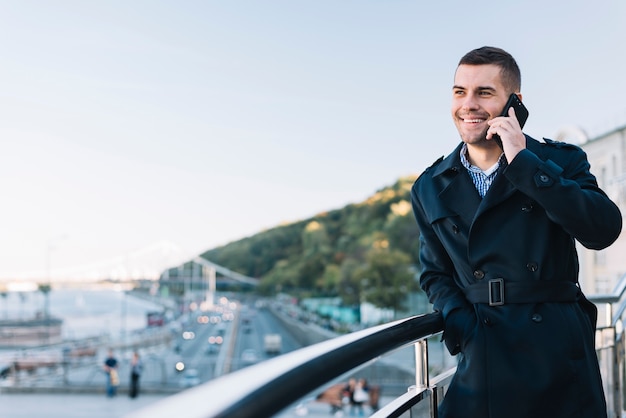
{"x": 421, "y": 364}
{"x": 618, "y": 373}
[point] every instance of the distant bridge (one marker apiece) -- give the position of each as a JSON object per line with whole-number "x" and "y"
{"x": 200, "y": 272}
{"x": 148, "y": 263}
{"x": 226, "y": 272}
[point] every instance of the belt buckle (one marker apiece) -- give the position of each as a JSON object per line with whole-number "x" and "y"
{"x": 496, "y": 292}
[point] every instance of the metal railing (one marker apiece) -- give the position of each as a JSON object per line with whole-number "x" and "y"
{"x": 610, "y": 346}
{"x": 267, "y": 388}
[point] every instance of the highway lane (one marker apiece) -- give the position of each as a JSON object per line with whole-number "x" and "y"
{"x": 254, "y": 324}
{"x": 192, "y": 347}
{"x": 240, "y": 330}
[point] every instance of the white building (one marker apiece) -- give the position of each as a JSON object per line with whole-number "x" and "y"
{"x": 600, "y": 271}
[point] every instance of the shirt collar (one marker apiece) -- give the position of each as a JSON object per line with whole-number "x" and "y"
{"x": 466, "y": 163}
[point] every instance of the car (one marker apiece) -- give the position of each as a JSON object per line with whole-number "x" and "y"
{"x": 249, "y": 356}
{"x": 215, "y": 342}
{"x": 190, "y": 378}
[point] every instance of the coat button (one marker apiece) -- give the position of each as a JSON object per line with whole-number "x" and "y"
{"x": 455, "y": 229}
{"x": 528, "y": 207}
{"x": 532, "y": 266}
{"x": 536, "y": 318}
{"x": 479, "y": 274}
{"x": 543, "y": 180}
{"x": 487, "y": 322}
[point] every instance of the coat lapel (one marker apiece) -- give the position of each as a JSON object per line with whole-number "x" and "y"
{"x": 502, "y": 188}
{"x": 458, "y": 192}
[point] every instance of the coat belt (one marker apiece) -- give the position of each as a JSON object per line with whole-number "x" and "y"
{"x": 497, "y": 292}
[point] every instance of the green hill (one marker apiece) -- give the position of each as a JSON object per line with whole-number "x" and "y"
{"x": 365, "y": 251}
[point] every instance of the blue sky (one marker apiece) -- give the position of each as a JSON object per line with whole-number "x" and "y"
{"x": 123, "y": 123}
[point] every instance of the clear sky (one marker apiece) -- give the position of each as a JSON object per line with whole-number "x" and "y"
{"x": 125, "y": 123}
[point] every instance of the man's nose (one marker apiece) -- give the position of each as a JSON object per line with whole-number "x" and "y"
{"x": 470, "y": 102}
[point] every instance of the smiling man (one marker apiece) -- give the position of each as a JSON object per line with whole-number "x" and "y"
{"x": 497, "y": 248}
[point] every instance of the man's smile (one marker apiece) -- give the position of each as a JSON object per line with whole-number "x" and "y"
{"x": 473, "y": 120}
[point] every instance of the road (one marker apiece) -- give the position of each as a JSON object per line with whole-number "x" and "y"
{"x": 237, "y": 329}
{"x": 83, "y": 386}
{"x": 241, "y": 327}
{"x": 254, "y": 325}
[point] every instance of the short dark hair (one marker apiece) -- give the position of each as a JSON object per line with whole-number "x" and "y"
{"x": 511, "y": 75}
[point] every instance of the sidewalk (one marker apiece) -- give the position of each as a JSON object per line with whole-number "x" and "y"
{"x": 71, "y": 406}
{"x": 96, "y": 406}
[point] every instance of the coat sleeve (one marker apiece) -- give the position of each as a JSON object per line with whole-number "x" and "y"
{"x": 564, "y": 186}
{"x": 437, "y": 281}
{"x": 437, "y": 270}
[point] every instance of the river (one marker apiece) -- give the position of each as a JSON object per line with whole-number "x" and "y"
{"x": 85, "y": 312}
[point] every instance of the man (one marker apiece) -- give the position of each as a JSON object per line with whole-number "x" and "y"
{"x": 497, "y": 247}
{"x": 136, "y": 367}
{"x": 110, "y": 368}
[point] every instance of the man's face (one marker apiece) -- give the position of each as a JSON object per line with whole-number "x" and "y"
{"x": 477, "y": 96}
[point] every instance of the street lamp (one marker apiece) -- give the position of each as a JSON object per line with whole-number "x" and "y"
{"x": 49, "y": 248}
{"x": 46, "y": 287}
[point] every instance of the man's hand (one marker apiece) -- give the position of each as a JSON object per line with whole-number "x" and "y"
{"x": 459, "y": 326}
{"x": 513, "y": 140}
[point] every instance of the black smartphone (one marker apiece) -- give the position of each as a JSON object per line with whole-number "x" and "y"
{"x": 520, "y": 112}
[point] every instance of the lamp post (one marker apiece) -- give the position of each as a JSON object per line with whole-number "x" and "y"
{"x": 49, "y": 249}
{"x": 45, "y": 288}
{"x": 209, "y": 273}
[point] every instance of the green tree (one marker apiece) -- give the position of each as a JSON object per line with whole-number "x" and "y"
{"x": 387, "y": 278}
{"x": 45, "y": 288}
{"x": 323, "y": 254}
{"x": 349, "y": 285}
{"x": 328, "y": 283}
{"x": 402, "y": 231}
{"x": 4, "y": 295}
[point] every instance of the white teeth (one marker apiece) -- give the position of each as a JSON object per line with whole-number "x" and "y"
{"x": 473, "y": 120}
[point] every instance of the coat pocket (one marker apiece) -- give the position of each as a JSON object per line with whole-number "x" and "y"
{"x": 458, "y": 329}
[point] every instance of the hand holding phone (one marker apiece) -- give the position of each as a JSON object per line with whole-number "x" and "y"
{"x": 520, "y": 112}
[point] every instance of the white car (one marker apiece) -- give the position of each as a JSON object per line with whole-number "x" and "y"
{"x": 249, "y": 356}
{"x": 190, "y": 378}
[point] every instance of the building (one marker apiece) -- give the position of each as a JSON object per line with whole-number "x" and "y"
{"x": 30, "y": 332}
{"x": 600, "y": 271}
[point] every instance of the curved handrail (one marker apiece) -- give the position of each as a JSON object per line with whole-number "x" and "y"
{"x": 613, "y": 297}
{"x": 269, "y": 387}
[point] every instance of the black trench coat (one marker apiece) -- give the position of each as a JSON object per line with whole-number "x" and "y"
{"x": 535, "y": 358}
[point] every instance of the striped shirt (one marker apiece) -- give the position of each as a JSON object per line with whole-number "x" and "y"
{"x": 482, "y": 178}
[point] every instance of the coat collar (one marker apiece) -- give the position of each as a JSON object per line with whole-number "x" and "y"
{"x": 459, "y": 193}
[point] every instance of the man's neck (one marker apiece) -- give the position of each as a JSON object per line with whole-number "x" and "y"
{"x": 483, "y": 157}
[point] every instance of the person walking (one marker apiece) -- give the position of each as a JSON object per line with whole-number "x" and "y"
{"x": 498, "y": 227}
{"x": 360, "y": 396}
{"x": 110, "y": 368}
{"x": 136, "y": 368}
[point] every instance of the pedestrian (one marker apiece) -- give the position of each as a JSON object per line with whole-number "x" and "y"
{"x": 136, "y": 368}
{"x": 497, "y": 249}
{"x": 110, "y": 368}
{"x": 360, "y": 396}
{"x": 348, "y": 394}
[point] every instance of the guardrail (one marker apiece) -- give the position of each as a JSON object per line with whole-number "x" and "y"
{"x": 610, "y": 346}
{"x": 267, "y": 388}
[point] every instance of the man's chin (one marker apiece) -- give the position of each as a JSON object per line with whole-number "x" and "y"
{"x": 475, "y": 140}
